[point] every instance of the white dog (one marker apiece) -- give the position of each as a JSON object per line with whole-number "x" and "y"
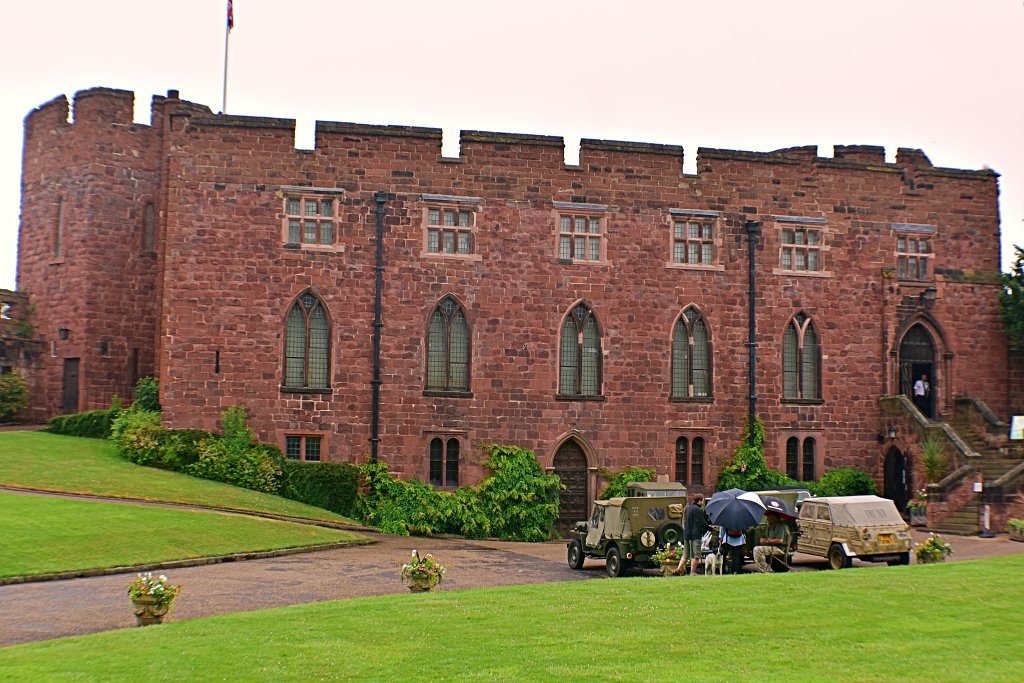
{"x": 713, "y": 563}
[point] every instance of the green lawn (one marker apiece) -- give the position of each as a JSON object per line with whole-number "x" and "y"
{"x": 66, "y": 463}
{"x": 959, "y": 621}
{"x": 43, "y": 534}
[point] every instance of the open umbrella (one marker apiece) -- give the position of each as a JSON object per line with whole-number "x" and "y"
{"x": 735, "y": 509}
{"x": 776, "y": 504}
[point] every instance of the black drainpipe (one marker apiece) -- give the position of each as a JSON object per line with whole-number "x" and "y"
{"x": 380, "y": 198}
{"x": 753, "y": 232}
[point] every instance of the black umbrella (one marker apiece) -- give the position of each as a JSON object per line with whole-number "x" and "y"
{"x": 776, "y": 504}
{"x": 735, "y": 509}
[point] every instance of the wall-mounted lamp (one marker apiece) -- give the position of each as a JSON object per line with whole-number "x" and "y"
{"x": 927, "y": 296}
{"x": 63, "y": 333}
{"x": 892, "y": 432}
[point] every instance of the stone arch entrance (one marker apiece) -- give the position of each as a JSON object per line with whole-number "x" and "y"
{"x": 917, "y": 359}
{"x": 897, "y": 484}
{"x": 570, "y": 465}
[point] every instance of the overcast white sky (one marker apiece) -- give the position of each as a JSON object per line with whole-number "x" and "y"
{"x": 941, "y": 75}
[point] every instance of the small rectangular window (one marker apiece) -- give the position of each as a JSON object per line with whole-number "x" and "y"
{"x": 800, "y": 250}
{"x": 293, "y": 447}
{"x": 450, "y": 231}
{"x": 299, "y": 447}
{"x": 586, "y": 241}
{"x": 913, "y": 257}
{"x": 310, "y": 220}
{"x": 693, "y": 241}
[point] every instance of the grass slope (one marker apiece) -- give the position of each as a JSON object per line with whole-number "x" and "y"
{"x": 953, "y": 622}
{"x": 66, "y": 463}
{"x": 43, "y": 534}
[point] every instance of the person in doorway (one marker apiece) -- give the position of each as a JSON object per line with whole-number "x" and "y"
{"x": 773, "y": 543}
{"x": 695, "y": 525}
{"x": 732, "y": 542}
{"x": 921, "y": 392}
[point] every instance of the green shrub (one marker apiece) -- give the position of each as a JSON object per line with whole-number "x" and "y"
{"x": 845, "y": 481}
{"x": 14, "y": 395}
{"x": 332, "y": 486}
{"x": 517, "y": 502}
{"x": 93, "y": 424}
{"x": 520, "y": 501}
{"x": 136, "y": 435}
{"x": 397, "y": 506}
{"x": 233, "y": 459}
{"x": 617, "y": 480}
{"x": 179, "y": 448}
{"x": 147, "y": 394}
{"x": 748, "y": 470}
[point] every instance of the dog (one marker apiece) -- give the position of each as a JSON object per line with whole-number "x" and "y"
{"x": 713, "y": 563}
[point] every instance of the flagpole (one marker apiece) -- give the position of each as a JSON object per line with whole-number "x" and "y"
{"x": 224, "y": 101}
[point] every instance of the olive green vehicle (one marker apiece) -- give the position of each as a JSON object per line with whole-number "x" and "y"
{"x": 842, "y": 528}
{"x": 626, "y": 531}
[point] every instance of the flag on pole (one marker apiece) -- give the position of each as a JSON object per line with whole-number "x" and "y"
{"x": 231, "y": 16}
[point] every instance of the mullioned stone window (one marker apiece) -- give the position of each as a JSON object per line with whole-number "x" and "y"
{"x": 690, "y": 460}
{"x": 310, "y": 217}
{"x": 581, "y": 232}
{"x": 803, "y": 245}
{"x": 307, "y": 345}
{"x": 302, "y": 447}
{"x": 580, "y": 355}
{"x": 449, "y": 225}
{"x": 691, "y": 356}
{"x": 800, "y": 458}
{"x": 444, "y": 461}
{"x": 914, "y": 251}
{"x": 448, "y": 348}
{"x": 695, "y": 239}
{"x": 801, "y": 360}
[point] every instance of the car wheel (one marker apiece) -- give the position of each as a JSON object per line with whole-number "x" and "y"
{"x": 613, "y": 563}
{"x": 904, "y": 559}
{"x": 837, "y": 558}
{"x": 575, "y": 555}
{"x": 670, "y": 533}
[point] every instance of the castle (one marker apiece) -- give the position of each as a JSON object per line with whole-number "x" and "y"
{"x": 372, "y": 297}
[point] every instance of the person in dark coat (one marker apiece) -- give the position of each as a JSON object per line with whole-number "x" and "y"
{"x": 695, "y": 525}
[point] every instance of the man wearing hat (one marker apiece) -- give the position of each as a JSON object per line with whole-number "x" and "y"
{"x": 773, "y": 543}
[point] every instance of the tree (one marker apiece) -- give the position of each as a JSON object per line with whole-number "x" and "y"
{"x": 1011, "y": 299}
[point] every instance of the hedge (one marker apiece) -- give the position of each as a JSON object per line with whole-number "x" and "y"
{"x": 332, "y": 486}
{"x": 94, "y": 424}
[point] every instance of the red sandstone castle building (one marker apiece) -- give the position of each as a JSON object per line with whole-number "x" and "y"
{"x": 370, "y": 296}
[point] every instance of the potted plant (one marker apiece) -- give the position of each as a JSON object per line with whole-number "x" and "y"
{"x": 1016, "y": 529}
{"x": 934, "y": 549}
{"x": 421, "y": 574}
{"x": 152, "y": 598}
{"x": 933, "y": 458}
{"x": 669, "y": 558}
{"x": 918, "y": 508}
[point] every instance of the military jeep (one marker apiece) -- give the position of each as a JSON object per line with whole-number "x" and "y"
{"x": 841, "y": 528}
{"x": 626, "y": 531}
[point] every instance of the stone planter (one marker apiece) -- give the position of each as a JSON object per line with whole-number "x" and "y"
{"x": 919, "y": 518}
{"x": 669, "y": 568}
{"x": 421, "y": 584}
{"x": 1015, "y": 534}
{"x": 148, "y": 610}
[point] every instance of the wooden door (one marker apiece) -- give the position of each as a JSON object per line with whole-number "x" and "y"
{"x": 571, "y": 468}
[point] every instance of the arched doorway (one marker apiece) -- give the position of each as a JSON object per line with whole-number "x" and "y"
{"x": 917, "y": 360}
{"x": 571, "y": 467}
{"x": 897, "y": 484}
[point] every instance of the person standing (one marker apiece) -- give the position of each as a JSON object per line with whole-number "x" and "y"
{"x": 921, "y": 392}
{"x": 695, "y": 525}
{"x": 733, "y": 542}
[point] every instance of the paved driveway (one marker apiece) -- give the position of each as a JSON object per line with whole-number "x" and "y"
{"x": 52, "y": 609}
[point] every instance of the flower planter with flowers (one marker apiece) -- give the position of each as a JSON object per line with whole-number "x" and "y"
{"x": 934, "y": 549}
{"x": 918, "y": 509}
{"x": 152, "y": 598}
{"x": 668, "y": 558}
{"x": 1016, "y": 529}
{"x": 421, "y": 574}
